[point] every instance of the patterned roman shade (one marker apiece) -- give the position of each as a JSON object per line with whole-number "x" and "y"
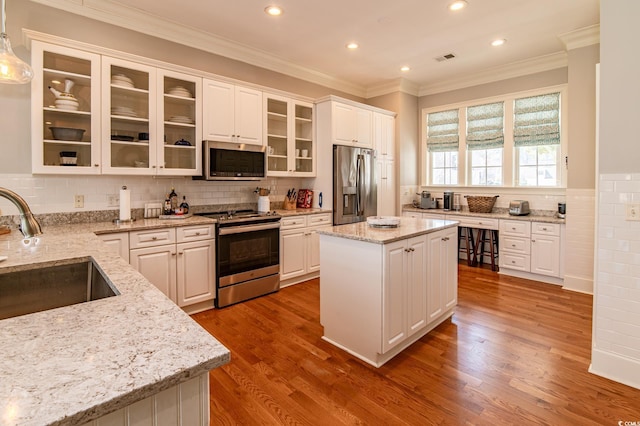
{"x": 442, "y": 131}
{"x": 537, "y": 120}
{"x": 485, "y": 126}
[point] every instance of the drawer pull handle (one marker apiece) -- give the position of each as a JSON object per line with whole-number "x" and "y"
{"x": 513, "y": 229}
{"x": 197, "y": 233}
{"x": 513, "y": 261}
{"x": 544, "y": 229}
{"x": 154, "y": 238}
{"x": 513, "y": 245}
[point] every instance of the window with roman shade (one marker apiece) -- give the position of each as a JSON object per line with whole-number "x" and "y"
{"x": 442, "y": 131}
{"x": 485, "y": 126}
{"x": 537, "y": 120}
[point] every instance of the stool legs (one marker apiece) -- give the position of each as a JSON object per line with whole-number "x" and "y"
{"x": 492, "y": 240}
{"x": 466, "y": 235}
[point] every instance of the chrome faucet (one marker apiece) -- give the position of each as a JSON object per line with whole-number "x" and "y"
{"x": 29, "y": 226}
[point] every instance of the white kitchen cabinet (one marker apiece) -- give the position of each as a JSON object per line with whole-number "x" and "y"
{"x": 118, "y": 242}
{"x": 442, "y": 274}
{"x": 179, "y": 261}
{"x": 289, "y": 135}
{"x": 352, "y": 125}
{"x": 404, "y": 307}
{"x": 231, "y": 113}
{"x": 53, "y": 65}
{"x": 545, "y": 249}
{"x": 300, "y": 247}
{"x": 515, "y": 245}
{"x": 384, "y": 142}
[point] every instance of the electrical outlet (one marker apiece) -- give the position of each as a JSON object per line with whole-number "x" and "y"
{"x": 633, "y": 211}
{"x": 113, "y": 200}
{"x": 78, "y": 201}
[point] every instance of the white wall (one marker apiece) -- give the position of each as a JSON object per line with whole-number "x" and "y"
{"x": 616, "y": 318}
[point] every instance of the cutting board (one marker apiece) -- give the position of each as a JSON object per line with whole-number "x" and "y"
{"x": 4, "y": 229}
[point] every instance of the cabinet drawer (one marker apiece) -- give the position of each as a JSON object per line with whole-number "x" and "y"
{"x": 518, "y": 228}
{"x": 433, "y": 216}
{"x": 195, "y": 233}
{"x": 293, "y": 222}
{"x": 319, "y": 219}
{"x": 473, "y": 222}
{"x": 514, "y": 244}
{"x": 156, "y": 237}
{"x": 515, "y": 261}
{"x": 546, "y": 228}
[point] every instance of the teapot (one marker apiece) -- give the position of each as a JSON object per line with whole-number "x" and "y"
{"x": 66, "y": 95}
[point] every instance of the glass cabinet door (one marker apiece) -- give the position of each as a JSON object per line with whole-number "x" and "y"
{"x": 65, "y": 111}
{"x": 128, "y": 93}
{"x": 179, "y": 124}
{"x": 277, "y": 133}
{"x": 304, "y": 139}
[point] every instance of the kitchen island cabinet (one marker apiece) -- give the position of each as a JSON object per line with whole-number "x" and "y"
{"x": 383, "y": 289}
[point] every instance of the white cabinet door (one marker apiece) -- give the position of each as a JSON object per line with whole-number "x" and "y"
{"x": 218, "y": 111}
{"x": 394, "y": 304}
{"x": 158, "y": 265}
{"x": 384, "y": 134}
{"x": 313, "y": 249}
{"x": 344, "y": 124}
{"x": 386, "y": 186}
{"x": 416, "y": 284}
{"x": 434, "y": 276}
{"x": 545, "y": 255}
{"x": 248, "y": 115}
{"x": 57, "y": 64}
{"x": 118, "y": 242}
{"x": 195, "y": 272}
{"x": 364, "y": 128}
{"x": 292, "y": 253}
{"x": 450, "y": 267}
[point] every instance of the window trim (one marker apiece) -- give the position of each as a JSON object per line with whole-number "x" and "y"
{"x": 509, "y": 152}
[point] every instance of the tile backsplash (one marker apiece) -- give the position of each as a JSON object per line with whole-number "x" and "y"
{"x": 55, "y": 194}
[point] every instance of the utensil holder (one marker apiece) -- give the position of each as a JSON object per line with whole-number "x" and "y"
{"x": 288, "y": 204}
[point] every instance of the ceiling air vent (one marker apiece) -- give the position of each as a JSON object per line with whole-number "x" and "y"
{"x": 445, "y": 57}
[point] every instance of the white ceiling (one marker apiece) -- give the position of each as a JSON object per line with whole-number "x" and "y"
{"x": 310, "y": 36}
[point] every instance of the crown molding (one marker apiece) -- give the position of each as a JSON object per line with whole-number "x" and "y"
{"x": 393, "y": 86}
{"x": 582, "y": 37}
{"x": 130, "y": 18}
{"x": 503, "y": 72}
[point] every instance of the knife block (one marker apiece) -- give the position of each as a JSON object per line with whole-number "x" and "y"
{"x": 288, "y": 204}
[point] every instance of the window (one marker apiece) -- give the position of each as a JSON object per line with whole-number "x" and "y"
{"x": 442, "y": 142}
{"x": 485, "y": 141}
{"x": 536, "y": 135}
{"x": 512, "y": 140}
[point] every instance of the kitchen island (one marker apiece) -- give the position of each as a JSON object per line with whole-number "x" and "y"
{"x": 123, "y": 357}
{"x": 382, "y": 289}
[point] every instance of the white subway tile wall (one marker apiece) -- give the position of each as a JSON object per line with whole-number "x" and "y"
{"x": 617, "y": 286}
{"x": 579, "y": 240}
{"x": 55, "y": 194}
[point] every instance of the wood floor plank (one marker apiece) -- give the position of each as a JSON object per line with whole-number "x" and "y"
{"x": 515, "y": 352}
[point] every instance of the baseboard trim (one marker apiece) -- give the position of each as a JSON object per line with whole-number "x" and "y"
{"x": 579, "y": 284}
{"x": 530, "y": 276}
{"x": 615, "y": 367}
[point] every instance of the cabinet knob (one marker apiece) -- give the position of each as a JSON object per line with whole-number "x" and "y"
{"x": 96, "y": 165}
{"x": 533, "y": 241}
{"x": 197, "y": 233}
{"x": 513, "y": 261}
{"x": 173, "y": 254}
{"x": 544, "y": 229}
{"x": 513, "y": 245}
{"x": 154, "y": 238}
{"x": 513, "y": 229}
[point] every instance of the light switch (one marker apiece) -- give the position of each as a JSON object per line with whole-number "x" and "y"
{"x": 633, "y": 211}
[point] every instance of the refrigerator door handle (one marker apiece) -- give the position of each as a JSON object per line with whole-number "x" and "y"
{"x": 359, "y": 185}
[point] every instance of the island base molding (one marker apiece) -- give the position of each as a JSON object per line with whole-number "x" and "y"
{"x": 378, "y": 359}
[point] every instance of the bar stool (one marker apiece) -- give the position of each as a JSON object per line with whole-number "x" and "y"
{"x": 492, "y": 240}
{"x": 467, "y": 245}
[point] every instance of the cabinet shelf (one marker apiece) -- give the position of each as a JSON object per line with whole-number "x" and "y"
{"x": 276, "y": 116}
{"x": 129, "y": 143}
{"x": 303, "y": 120}
{"x": 53, "y": 73}
{"x": 130, "y": 119}
{"x": 277, "y": 156}
{"x": 116, "y": 88}
{"x": 304, "y": 139}
{"x": 277, "y": 137}
{"x": 66, "y": 112}
{"x": 63, "y": 142}
{"x": 179, "y": 98}
{"x": 180, "y": 146}
{"x": 175, "y": 124}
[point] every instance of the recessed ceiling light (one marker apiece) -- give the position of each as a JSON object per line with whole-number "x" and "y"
{"x": 352, "y": 45}
{"x": 498, "y": 42}
{"x": 405, "y": 68}
{"x": 273, "y": 10}
{"x": 457, "y": 5}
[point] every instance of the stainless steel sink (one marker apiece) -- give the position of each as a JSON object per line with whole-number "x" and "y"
{"x": 39, "y": 288}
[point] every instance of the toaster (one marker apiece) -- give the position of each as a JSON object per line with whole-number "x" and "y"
{"x": 519, "y": 208}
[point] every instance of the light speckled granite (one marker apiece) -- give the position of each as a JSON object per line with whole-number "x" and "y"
{"x": 298, "y": 212}
{"x": 409, "y": 227}
{"x": 74, "y": 364}
{"x": 546, "y": 216}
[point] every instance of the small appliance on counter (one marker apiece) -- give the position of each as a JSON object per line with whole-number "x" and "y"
{"x": 519, "y": 208}
{"x": 426, "y": 202}
{"x": 562, "y": 210}
{"x": 447, "y": 203}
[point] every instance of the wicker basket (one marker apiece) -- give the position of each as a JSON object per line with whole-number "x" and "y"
{"x": 480, "y": 204}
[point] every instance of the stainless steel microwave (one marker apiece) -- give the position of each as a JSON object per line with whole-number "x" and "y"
{"x": 233, "y": 161}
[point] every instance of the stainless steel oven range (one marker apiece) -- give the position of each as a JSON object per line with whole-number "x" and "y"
{"x": 247, "y": 255}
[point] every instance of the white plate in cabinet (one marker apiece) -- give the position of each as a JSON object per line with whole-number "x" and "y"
{"x": 151, "y": 238}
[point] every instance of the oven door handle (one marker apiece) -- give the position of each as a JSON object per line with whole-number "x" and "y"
{"x": 247, "y": 228}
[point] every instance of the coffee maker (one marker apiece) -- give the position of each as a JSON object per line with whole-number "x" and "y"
{"x": 562, "y": 210}
{"x": 448, "y": 200}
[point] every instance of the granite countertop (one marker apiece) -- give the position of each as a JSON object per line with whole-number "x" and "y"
{"x": 298, "y": 212}
{"x": 77, "y": 363}
{"x": 409, "y": 227}
{"x": 534, "y": 216}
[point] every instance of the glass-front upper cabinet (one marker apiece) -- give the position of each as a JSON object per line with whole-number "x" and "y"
{"x": 65, "y": 110}
{"x": 179, "y": 124}
{"x": 128, "y": 101}
{"x": 289, "y": 135}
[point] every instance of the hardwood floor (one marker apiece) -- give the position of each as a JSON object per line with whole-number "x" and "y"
{"x": 515, "y": 352}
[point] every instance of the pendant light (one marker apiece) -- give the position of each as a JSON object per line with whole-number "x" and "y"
{"x": 13, "y": 70}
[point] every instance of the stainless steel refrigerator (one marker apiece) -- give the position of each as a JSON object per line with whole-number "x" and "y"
{"x": 354, "y": 184}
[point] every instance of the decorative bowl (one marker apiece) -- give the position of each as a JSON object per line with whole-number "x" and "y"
{"x": 67, "y": 133}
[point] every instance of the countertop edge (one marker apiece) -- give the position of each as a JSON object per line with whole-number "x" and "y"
{"x": 496, "y": 215}
{"x": 408, "y": 228}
